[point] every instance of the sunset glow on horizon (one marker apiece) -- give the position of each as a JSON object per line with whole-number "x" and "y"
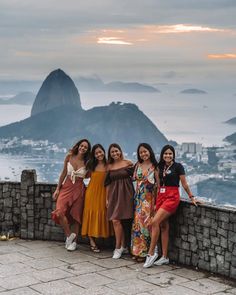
{"x": 183, "y": 28}
{"x": 145, "y": 33}
{"x": 222, "y": 56}
{"x": 112, "y": 41}
{"x": 175, "y": 40}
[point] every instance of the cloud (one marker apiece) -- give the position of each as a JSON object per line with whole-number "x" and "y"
{"x": 222, "y": 56}
{"x": 114, "y": 38}
{"x": 182, "y": 28}
{"x": 112, "y": 41}
{"x": 26, "y": 54}
{"x": 144, "y": 34}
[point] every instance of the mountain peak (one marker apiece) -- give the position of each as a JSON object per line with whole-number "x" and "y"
{"x": 57, "y": 90}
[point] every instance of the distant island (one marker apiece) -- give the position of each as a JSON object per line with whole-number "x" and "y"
{"x": 193, "y": 91}
{"x": 231, "y": 121}
{"x": 231, "y": 138}
{"x": 57, "y": 116}
{"x": 86, "y": 84}
{"x": 218, "y": 190}
{"x": 96, "y": 84}
{"x": 23, "y": 98}
{"x": 129, "y": 87}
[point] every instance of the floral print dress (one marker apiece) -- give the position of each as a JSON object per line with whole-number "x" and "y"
{"x": 143, "y": 209}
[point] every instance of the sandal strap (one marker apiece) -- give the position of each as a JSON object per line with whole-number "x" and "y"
{"x": 95, "y": 248}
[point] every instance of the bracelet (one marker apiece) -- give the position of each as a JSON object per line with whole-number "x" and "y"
{"x": 191, "y": 197}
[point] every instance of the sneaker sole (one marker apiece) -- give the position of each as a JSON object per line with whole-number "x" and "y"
{"x": 165, "y": 263}
{"x": 71, "y": 250}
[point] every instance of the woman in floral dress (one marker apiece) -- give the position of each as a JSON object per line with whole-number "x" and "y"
{"x": 146, "y": 178}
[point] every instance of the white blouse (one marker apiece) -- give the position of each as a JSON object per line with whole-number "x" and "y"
{"x": 81, "y": 172}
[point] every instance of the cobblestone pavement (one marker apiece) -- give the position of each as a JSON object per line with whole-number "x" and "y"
{"x": 41, "y": 267}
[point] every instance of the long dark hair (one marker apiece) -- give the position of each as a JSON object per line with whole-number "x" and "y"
{"x": 92, "y": 163}
{"x": 115, "y": 145}
{"x": 74, "y": 149}
{"x": 161, "y": 163}
{"x": 152, "y": 155}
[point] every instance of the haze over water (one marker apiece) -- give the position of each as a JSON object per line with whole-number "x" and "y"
{"x": 180, "y": 117}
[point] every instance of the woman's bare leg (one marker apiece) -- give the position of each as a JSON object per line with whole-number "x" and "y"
{"x": 92, "y": 242}
{"x": 165, "y": 237}
{"x": 119, "y": 233}
{"x": 76, "y": 227}
{"x": 64, "y": 224}
{"x": 159, "y": 217}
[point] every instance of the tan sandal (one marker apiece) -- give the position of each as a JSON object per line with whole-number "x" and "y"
{"x": 95, "y": 249}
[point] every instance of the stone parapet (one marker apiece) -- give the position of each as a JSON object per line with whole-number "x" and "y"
{"x": 203, "y": 236}
{"x": 10, "y": 207}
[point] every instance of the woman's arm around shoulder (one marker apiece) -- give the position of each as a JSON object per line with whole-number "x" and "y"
{"x": 135, "y": 171}
{"x": 130, "y": 168}
{"x": 108, "y": 167}
{"x": 62, "y": 177}
{"x": 107, "y": 183}
{"x": 129, "y": 163}
{"x": 157, "y": 178}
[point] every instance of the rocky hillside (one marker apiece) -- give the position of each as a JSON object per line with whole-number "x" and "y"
{"x": 58, "y": 89}
{"x": 231, "y": 138}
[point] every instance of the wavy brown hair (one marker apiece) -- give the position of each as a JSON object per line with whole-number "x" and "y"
{"x": 74, "y": 149}
{"x": 115, "y": 145}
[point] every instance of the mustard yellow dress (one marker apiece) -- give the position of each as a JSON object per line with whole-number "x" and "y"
{"x": 95, "y": 222}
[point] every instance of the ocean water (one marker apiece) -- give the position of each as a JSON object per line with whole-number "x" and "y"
{"x": 13, "y": 113}
{"x": 47, "y": 168}
{"x": 180, "y": 117}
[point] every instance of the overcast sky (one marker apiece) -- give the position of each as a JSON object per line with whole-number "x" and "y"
{"x": 152, "y": 40}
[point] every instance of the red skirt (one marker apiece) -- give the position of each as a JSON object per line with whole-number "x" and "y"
{"x": 70, "y": 202}
{"x": 168, "y": 198}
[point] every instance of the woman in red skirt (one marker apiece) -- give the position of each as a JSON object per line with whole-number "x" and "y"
{"x": 70, "y": 191}
{"x": 168, "y": 198}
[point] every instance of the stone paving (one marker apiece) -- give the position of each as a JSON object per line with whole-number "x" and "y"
{"x": 41, "y": 267}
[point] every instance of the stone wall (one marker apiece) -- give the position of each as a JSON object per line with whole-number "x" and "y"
{"x": 25, "y": 209}
{"x": 9, "y": 207}
{"x": 203, "y": 237}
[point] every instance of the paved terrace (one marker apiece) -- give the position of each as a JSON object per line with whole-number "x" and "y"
{"x": 45, "y": 267}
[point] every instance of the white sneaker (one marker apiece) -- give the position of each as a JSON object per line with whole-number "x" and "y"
{"x": 72, "y": 247}
{"x": 70, "y": 239}
{"x": 162, "y": 260}
{"x": 150, "y": 260}
{"x": 124, "y": 250}
{"x": 117, "y": 253}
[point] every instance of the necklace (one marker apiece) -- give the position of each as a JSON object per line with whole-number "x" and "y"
{"x": 165, "y": 172}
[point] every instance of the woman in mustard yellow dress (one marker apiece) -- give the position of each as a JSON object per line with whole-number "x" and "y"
{"x": 95, "y": 223}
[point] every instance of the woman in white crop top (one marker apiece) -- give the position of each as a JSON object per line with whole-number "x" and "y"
{"x": 70, "y": 191}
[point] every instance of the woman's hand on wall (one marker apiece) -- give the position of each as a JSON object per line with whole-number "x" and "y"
{"x": 195, "y": 201}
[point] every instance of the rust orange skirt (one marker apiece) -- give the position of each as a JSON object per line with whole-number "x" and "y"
{"x": 70, "y": 202}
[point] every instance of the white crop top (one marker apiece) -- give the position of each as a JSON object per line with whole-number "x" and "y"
{"x": 81, "y": 172}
